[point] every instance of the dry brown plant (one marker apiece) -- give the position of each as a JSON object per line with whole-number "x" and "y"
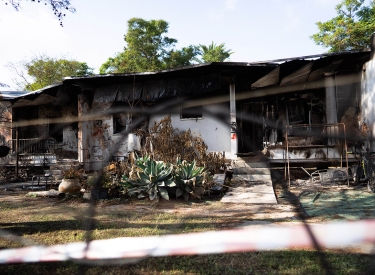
{"x": 167, "y": 144}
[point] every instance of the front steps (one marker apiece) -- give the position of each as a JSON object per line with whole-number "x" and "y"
{"x": 56, "y": 170}
{"x": 252, "y": 184}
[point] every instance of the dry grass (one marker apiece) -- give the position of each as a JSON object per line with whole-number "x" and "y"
{"x": 49, "y": 221}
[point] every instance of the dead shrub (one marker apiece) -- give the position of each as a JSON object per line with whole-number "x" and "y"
{"x": 167, "y": 144}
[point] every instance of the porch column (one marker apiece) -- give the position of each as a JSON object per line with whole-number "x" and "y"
{"x": 331, "y": 106}
{"x": 233, "y": 119}
{"x": 83, "y": 133}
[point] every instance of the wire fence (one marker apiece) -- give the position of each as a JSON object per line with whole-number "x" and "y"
{"x": 317, "y": 237}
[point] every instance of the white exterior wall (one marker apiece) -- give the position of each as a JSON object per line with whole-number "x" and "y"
{"x": 6, "y": 116}
{"x": 100, "y": 140}
{"x": 368, "y": 101}
{"x": 215, "y": 133}
{"x": 70, "y": 134}
{"x": 123, "y": 145}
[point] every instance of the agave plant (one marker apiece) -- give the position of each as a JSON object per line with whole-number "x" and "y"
{"x": 152, "y": 177}
{"x": 190, "y": 179}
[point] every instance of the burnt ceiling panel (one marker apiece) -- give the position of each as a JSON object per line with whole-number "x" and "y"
{"x": 152, "y": 90}
{"x": 206, "y": 84}
{"x": 299, "y": 76}
{"x": 106, "y": 93}
{"x": 171, "y": 88}
{"x": 318, "y": 73}
{"x": 22, "y": 102}
{"x": 185, "y": 86}
{"x": 269, "y": 79}
{"x": 353, "y": 62}
{"x": 129, "y": 91}
{"x": 43, "y": 99}
{"x": 62, "y": 96}
{"x": 290, "y": 67}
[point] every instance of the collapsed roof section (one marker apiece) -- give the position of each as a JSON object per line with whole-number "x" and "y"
{"x": 197, "y": 80}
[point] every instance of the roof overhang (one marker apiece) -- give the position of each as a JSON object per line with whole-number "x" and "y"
{"x": 289, "y": 72}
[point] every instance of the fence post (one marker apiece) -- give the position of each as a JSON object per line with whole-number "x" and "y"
{"x": 17, "y": 143}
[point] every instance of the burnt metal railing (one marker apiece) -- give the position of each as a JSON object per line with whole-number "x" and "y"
{"x": 321, "y": 136}
{"x": 33, "y": 145}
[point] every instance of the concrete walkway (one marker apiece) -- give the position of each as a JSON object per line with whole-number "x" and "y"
{"x": 251, "y": 185}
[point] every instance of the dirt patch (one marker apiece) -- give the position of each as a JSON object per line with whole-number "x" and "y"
{"x": 329, "y": 201}
{"x": 288, "y": 207}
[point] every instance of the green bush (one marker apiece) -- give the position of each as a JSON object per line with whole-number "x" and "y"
{"x": 190, "y": 180}
{"x": 153, "y": 178}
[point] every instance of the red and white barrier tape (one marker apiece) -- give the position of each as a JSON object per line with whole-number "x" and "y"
{"x": 330, "y": 235}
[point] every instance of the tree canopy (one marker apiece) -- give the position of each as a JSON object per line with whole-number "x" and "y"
{"x": 59, "y": 7}
{"x": 214, "y": 53}
{"x": 350, "y": 29}
{"x": 149, "y": 49}
{"x": 42, "y": 71}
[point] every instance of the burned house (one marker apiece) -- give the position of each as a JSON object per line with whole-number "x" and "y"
{"x": 298, "y": 110}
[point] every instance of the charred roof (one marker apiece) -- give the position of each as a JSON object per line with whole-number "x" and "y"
{"x": 200, "y": 79}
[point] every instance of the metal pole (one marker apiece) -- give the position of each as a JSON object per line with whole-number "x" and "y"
{"x": 346, "y": 154}
{"x": 17, "y": 148}
{"x": 233, "y": 119}
{"x": 287, "y": 153}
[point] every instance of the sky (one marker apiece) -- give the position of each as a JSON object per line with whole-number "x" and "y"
{"x": 255, "y": 30}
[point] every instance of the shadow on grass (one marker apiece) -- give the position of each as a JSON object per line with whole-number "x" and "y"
{"x": 273, "y": 262}
{"x": 28, "y": 228}
{"x": 23, "y": 228}
{"x": 347, "y": 204}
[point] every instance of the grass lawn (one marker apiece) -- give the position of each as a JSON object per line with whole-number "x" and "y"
{"x": 49, "y": 221}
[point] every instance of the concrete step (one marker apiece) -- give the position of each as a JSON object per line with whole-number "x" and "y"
{"x": 66, "y": 163}
{"x": 252, "y": 171}
{"x": 253, "y": 189}
{"x": 255, "y": 178}
{"x": 55, "y": 173}
{"x": 64, "y": 167}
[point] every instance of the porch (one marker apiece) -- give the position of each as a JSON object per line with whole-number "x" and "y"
{"x": 32, "y": 152}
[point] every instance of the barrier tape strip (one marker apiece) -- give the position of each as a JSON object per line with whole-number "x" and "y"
{"x": 330, "y": 235}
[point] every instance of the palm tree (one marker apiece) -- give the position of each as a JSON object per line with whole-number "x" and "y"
{"x": 214, "y": 53}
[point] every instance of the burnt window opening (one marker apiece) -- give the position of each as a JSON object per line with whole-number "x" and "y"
{"x": 74, "y": 128}
{"x": 297, "y": 112}
{"x": 56, "y": 131}
{"x": 24, "y": 114}
{"x": 124, "y": 116}
{"x": 123, "y": 121}
{"x": 120, "y": 122}
{"x": 191, "y": 112}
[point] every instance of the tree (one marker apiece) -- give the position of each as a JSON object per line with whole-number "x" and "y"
{"x": 58, "y": 6}
{"x": 214, "y": 53}
{"x": 350, "y": 29}
{"x": 148, "y": 49}
{"x": 184, "y": 57}
{"x": 42, "y": 71}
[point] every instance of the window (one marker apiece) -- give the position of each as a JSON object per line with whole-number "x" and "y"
{"x": 56, "y": 131}
{"x": 191, "y": 112}
{"x": 119, "y": 123}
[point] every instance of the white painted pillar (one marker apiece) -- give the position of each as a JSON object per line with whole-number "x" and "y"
{"x": 331, "y": 107}
{"x": 233, "y": 120}
{"x": 83, "y": 133}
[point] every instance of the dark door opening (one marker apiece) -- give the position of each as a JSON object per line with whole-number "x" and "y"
{"x": 56, "y": 131}
{"x": 251, "y": 136}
